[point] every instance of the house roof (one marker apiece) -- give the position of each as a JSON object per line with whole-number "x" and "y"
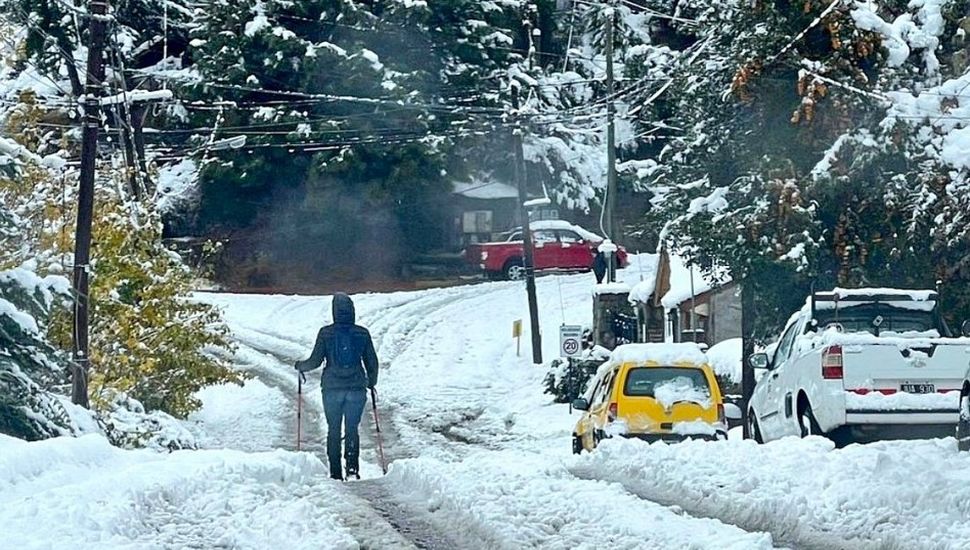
{"x": 484, "y": 188}
{"x": 680, "y": 283}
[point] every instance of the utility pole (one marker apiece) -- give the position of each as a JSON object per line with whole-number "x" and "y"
{"x": 527, "y": 245}
{"x": 747, "y": 350}
{"x": 98, "y": 19}
{"x": 610, "y": 200}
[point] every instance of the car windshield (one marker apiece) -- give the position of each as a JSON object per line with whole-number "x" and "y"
{"x": 681, "y": 383}
{"x": 876, "y": 319}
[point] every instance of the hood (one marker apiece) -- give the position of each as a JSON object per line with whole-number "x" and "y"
{"x": 343, "y": 309}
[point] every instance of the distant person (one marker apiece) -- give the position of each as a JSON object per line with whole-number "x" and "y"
{"x": 350, "y": 370}
{"x": 599, "y": 267}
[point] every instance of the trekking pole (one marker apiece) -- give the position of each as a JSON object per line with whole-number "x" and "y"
{"x": 377, "y": 424}
{"x": 300, "y": 379}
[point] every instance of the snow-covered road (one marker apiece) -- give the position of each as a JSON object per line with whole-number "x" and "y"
{"x": 486, "y": 454}
{"x": 481, "y": 457}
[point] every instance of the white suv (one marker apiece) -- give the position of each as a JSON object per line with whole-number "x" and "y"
{"x": 860, "y": 365}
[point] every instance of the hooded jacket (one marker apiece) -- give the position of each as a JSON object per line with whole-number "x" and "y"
{"x": 360, "y": 367}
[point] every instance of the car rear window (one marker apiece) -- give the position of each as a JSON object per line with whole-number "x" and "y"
{"x": 642, "y": 381}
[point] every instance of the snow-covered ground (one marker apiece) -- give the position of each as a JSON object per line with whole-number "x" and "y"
{"x": 84, "y": 493}
{"x": 479, "y": 453}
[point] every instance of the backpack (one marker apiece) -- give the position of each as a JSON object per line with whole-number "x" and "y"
{"x": 346, "y": 358}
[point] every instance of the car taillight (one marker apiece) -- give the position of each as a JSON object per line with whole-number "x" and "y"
{"x": 613, "y": 410}
{"x": 832, "y": 363}
{"x": 721, "y": 417}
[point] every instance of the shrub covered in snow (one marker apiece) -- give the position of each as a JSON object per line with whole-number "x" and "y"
{"x": 29, "y": 366}
{"x": 567, "y": 379}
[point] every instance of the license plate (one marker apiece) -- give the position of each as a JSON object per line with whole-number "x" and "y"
{"x": 917, "y": 388}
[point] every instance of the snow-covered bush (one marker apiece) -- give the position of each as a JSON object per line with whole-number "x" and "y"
{"x": 567, "y": 379}
{"x": 127, "y": 424}
{"x": 29, "y": 366}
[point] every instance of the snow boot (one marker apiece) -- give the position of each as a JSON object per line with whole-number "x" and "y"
{"x": 352, "y": 474}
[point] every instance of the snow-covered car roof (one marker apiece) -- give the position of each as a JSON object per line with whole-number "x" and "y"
{"x": 664, "y": 354}
{"x": 566, "y": 226}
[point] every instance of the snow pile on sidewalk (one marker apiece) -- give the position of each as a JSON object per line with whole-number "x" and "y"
{"x": 525, "y": 500}
{"x": 247, "y": 418}
{"x": 903, "y": 494}
{"x": 84, "y": 493}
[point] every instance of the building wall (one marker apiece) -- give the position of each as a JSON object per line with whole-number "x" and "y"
{"x": 726, "y": 309}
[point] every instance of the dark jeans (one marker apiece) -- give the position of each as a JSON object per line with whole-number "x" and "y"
{"x": 343, "y": 408}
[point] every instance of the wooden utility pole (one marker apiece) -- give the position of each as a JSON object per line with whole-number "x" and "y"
{"x": 527, "y": 245}
{"x": 610, "y": 201}
{"x": 747, "y": 350}
{"x": 98, "y": 22}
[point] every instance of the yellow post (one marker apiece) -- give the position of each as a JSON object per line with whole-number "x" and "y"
{"x": 517, "y": 334}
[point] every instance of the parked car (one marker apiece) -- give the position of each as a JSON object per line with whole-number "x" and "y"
{"x": 559, "y": 245}
{"x": 861, "y": 365}
{"x": 653, "y": 392}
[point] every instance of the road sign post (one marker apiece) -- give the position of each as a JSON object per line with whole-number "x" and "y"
{"x": 570, "y": 340}
{"x": 517, "y": 334}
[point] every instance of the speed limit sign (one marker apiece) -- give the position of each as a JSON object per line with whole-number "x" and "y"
{"x": 570, "y": 340}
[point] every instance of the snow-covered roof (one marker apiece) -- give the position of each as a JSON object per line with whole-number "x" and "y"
{"x": 611, "y": 288}
{"x": 643, "y": 290}
{"x": 680, "y": 281}
{"x": 485, "y": 189}
{"x": 663, "y": 354}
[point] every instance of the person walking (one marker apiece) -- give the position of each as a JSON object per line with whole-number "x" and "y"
{"x": 351, "y": 368}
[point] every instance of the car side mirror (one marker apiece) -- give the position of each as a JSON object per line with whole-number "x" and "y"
{"x": 965, "y": 328}
{"x": 759, "y": 361}
{"x": 732, "y": 411}
{"x": 580, "y": 404}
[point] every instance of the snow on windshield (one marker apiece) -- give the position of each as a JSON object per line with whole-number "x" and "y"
{"x": 668, "y": 385}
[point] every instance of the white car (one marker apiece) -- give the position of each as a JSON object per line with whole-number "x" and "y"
{"x": 860, "y": 365}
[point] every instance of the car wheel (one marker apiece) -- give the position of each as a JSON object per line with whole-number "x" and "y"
{"x": 577, "y": 445}
{"x": 514, "y": 270}
{"x": 753, "y": 429}
{"x": 963, "y": 425}
{"x": 806, "y": 421}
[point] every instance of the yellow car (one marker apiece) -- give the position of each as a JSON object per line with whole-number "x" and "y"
{"x": 653, "y": 392}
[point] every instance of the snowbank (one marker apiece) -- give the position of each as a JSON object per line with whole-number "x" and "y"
{"x": 520, "y": 500}
{"x": 84, "y": 493}
{"x": 888, "y": 495}
{"x": 726, "y": 357}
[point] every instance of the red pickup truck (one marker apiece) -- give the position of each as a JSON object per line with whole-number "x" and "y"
{"x": 559, "y": 245}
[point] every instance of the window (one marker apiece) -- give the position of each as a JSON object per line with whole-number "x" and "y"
{"x": 605, "y": 388}
{"x": 544, "y": 237}
{"x": 785, "y": 346}
{"x": 477, "y": 221}
{"x": 569, "y": 237}
{"x": 642, "y": 381}
{"x": 877, "y": 317}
